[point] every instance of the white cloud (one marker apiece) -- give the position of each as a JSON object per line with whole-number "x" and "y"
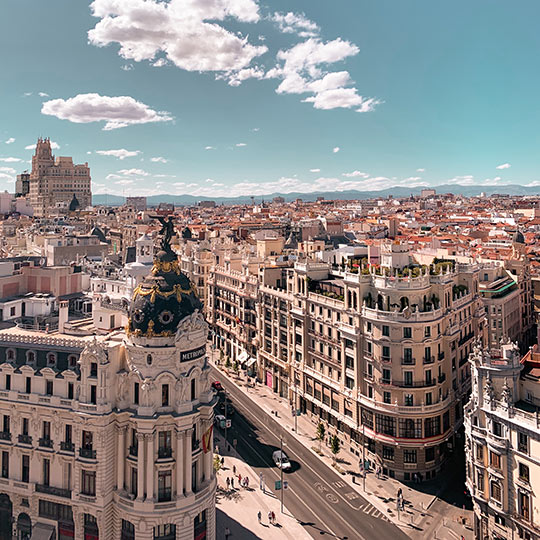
{"x": 503, "y": 166}
{"x": 11, "y": 140}
{"x": 159, "y": 159}
{"x": 27, "y": 94}
{"x": 466, "y": 180}
{"x": 255, "y": 129}
{"x": 314, "y": 170}
{"x": 240, "y": 144}
{"x": 356, "y": 174}
{"x": 54, "y": 146}
{"x": 133, "y": 172}
{"x": 295, "y": 23}
{"x": 7, "y": 170}
{"x": 179, "y": 184}
{"x": 43, "y": 94}
{"x": 120, "y": 153}
{"x": 164, "y": 176}
{"x": 124, "y": 182}
{"x": 5, "y": 176}
{"x": 420, "y": 170}
{"x": 11, "y": 159}
{"x": 209, "y": 148}
{"x": 127, "y": 67}
{"x": 492, "y": 181}
{"x": 209, "y": 180}
{"x": 187, "y": 32}
{"x": 160, "y": 62}
{"x": 117, "y": 112}
{"x": 336, "y": 149}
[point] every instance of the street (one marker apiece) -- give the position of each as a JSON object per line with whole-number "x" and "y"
{"x": 316, "y": 495}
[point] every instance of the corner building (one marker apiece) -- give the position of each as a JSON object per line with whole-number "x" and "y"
{"x": 111, "y": 438}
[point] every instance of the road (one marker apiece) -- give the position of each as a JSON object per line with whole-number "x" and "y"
{"x": 317, "y": 495}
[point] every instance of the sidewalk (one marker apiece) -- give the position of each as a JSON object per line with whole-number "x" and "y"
{"x": 237, "y": 508}
{"x": 416, "y": 520}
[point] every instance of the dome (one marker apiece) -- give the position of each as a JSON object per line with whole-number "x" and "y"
{"x": 518, "y": 237}
{"x": 162, "y": 299}
{"x": 74, "y": 204}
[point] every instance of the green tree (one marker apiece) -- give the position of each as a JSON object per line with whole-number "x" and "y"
{"x": 217, "y": 463}
{"x": 220, "y": 356}
{"x": 321, "y": 431}
{"x": 235, "y": 367}
{"x": 334, "y": 446}
{"x": 228, "y": 362}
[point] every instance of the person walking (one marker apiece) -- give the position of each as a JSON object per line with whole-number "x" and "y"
{"x": 269, "y": 517}
{"x": 222, "y": 461}
{"x": 234, "y": 469}
{"x": 259, "y": 516}
{"x": 232, "y": 482}
{"x": 228, "y": 483}
{"x": 239, "y": 479}
{"x": 273, "y": 518}
{"x": 247, "y": 481}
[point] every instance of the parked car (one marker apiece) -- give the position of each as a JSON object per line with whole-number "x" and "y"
{"x": 281, "y": 460}
{"x": 216, "y": 385}
{"x": 219, "y": 421}
{"x": 221, "y": 408}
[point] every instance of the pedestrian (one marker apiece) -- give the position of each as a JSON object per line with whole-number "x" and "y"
{"x": 273, "y": 518}
{"x": 269, "y": 517}
{"x": 259, "y": 516}
{"x": 227, "y": 533}
{"x": 222, "y": 461}
{"x": 228, "y": 482}
{"x": 247, "y": 481}
{"x": 234, "y": 469}
{"x": 232, "y": 482}
{"x": 239, "y": 479}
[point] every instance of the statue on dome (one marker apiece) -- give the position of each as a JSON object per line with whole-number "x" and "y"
{"x": 167, "y": 231}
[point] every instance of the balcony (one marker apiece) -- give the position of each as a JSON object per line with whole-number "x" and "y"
{"x": 413, "y": 384}
{"x": 67, "y": 446}
{"x": 133, "y": 450}
{"x": 408, "y": 361}
{"x": 58, "y": 492}
{"x": 164, "y": 452}
{"x": 87, "y": 453}
{"x": 5, "y": 436}
{"x": 25, "y": 438}
{"x": 441, "y": 355}
{"x": 441, "y": 378}
{"x": 429, "y": 359}
{"x": 45, "y": 442}
{"x": 164, "y": 495}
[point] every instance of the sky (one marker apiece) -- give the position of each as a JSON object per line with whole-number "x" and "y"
{"x": 245, "y": 97}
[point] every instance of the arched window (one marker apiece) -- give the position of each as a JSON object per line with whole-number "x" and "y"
{"x": 72, "y": 361}
{"x": 31, "y": 357}
{"x": 193, "y": 390}
{"x": 51, "y": 359}
{"x": 10, "y": 355}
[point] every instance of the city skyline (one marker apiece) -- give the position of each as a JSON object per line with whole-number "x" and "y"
{"x": 277, "y": 111}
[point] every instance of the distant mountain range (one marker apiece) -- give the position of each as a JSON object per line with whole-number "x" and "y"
{"x": 397, "y": 192}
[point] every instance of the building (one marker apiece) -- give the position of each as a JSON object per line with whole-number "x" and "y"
{"x": 377, "y": 352}
{"x": 54, "y": 182}
{"x": 503, "y": 442}
{"x": 428, "y": 192}
{"x": 137, "y": 203}
{"x": 111, "y": 438}
{"x": 22, "y": 184}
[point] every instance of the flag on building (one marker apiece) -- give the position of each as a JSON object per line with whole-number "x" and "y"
{"x": 207, "y": 439}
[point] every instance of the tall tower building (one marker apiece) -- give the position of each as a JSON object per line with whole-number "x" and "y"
{"x": 54, "y": 182}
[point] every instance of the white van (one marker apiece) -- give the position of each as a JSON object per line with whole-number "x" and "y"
{"x": 281, "y": 460}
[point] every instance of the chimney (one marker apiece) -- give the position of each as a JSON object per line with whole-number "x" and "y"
{"x": 63, "y": 315}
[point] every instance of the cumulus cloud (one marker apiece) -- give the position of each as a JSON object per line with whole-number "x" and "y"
{"x": 54, "y": 146}
{"x": 466, "y": 180}
{"x": 186, "y": 32}
{"x": 124, "y": 182}
{"x": 295, "y": 23}
{"x": 43, "y": 94}
{"x": 503, "y": 166}
{"x": 336, "y": 149}
{"x": 240, "y": 144}
{"x": 8, "y": 170}
{"x": 133, "y": 172}
{"x": 11, "y": 140}
{"x": 10, "y": 159}
{"x": 420, "y": 170}
{"x": 120, "y": 153}
{"x": 255, "y": 129}
{"x": 116, "y": 112}
{"x": 209, "y": 147}
{"x": 356, "y": 174}
{"x": 314, "y": 170}
{"x": 126, "y": 67}
{"x": 5, "y": 176}
{"x": 159, "y": 159}
{"x": 492, "y": 181}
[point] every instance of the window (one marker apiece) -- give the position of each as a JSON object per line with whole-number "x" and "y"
{"x": 8, "y": 382}
{"x": 25, "y": 468}
{"x": 388, "y": 453}
{"x": 430, "y": 453}
{"x": 49, "y": 387}
{"x": 387, "y": 397}
{"x": 497, "y": 429}
{"x": 495, "y": 460}
{"x": 93, "y": 369}
{"x": 193, "y": 388}
{"x": 93, "y": 391}
{"x": 407, "y": 356}
{"x": 524, "y": 472}
{"x": 407, "y": 332}
{"x": 128, "y": 530}
{"x": 368, "y": 327}
{"x": 524, "y": 505}
{"x": 87, "y": 440}
{"x": 409, "y": 456}
{"x": 432, "y": 426}
{"x": 46, "y": 471}
{"x": 24, "y": 429}
{"x": 68, "y": 435}
{"x": 499, "y": 520}
{"x": 429, "y": 398}
{"x": 165, "y": 447}
{"x": 28, "y": 385}
{"x": 6, "y": 424}
{"x": 410, "y": 429}
{"x": 164, "y": 486}
{"x": 70, "y": 390}
{"x": 10, "y": 355}
{"x": 385, "y": 424}
{"x": 46, "y": 430}
{"x": 408, "y": 400}
{"x": 385, "y": 330}
{"x": 5, "y": 464}
{"x": 88, "y": 483}
{"x": 479, "y": 452}
{"x": 480, "y": 480}
{"x": 51, "y": 359}
{"x": 427, "y": 331}
{"x": 523, "y": 442}
{"x": 495, "y": 488}
{"x": 386, "y": 351}
{"x": 349, "y": 383}
{"x": 164, "y": 395}
{"x": 136, "y": 393}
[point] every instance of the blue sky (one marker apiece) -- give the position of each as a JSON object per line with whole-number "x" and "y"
{"x": 239, "y": 97}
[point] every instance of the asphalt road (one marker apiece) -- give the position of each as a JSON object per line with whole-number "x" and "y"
{"x": 317, "y": 496}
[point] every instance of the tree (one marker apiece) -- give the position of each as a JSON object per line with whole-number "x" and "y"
{"x": 217, "y": 463}
{"x": 227, "y": 363}
{"x": 220, "y": 356}
{"x": 321, "y": 431}
{"x": 235, "y": 367}
{"x": 334, "y": 446}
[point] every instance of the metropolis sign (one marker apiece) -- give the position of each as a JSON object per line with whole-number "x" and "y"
{"x": 186, "y": 356}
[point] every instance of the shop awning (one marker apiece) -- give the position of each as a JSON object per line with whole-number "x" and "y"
{"x": 42, "y": 531}
{"x": 251, "y": 361}
{"x": 242, "y": 357}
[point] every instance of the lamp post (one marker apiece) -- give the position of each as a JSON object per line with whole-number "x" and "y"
{"x": 281, "y": 470}
{"x": 363, "y": 455}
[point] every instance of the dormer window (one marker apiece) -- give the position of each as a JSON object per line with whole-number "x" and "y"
{"x": 51, "y": 359}
{"x": 93, "y": 369}
{"x": 30, "y": 357}
{"x": 10, "y": 355}
{"x": 72, "y": 361}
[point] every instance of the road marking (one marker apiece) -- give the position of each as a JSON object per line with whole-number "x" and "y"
{"x": 339, "y": 484}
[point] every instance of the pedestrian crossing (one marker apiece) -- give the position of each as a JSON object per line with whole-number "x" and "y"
{"x": 370, "y": 510}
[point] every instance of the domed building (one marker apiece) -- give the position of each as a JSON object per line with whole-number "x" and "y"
{"x": 115, "y": 432}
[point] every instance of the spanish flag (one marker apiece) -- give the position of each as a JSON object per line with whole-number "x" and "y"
{"x": 207, "y": 439}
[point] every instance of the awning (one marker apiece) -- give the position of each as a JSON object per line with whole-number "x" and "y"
{"x": 250, "y": 362}
{"x": 42, "y": 531}
{"x": 242, "y": 357}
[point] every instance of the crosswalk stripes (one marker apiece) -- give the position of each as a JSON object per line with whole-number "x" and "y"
{"x": 370, "y": 510}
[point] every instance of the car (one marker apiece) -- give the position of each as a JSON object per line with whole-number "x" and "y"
{"x": 220, "y": 421}
{"x": 216, "y": 385}
{"x": 221, "y": 408}
{"x": 281, "y": 460}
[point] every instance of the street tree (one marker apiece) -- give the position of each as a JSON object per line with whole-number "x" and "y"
{"x": 334, "y": 446}
{"x": 321, "y": 431}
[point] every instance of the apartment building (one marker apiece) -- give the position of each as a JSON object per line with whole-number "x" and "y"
{"x": 378, "y": 352}
{"x": 111, "y": 438}
{"x": 502, "y": 442}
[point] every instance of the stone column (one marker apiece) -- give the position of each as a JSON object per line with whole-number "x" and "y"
{"x": 121, "y": 458}
{"x": 208, "y": 460}
{"x": 140, "y": 466}
{"x": 187, "y": 461}
{"x": 180, "y": 463}
{"x": 150, "y": 466}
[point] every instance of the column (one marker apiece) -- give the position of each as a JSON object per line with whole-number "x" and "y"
{"x": 179, "y": 463}
{"x": 188, "y": 458}
{"x": 150, "y": 466}
{"x": 121, "y": 458}
{"x": 140, "y": 466}
{"x": 208, "y": 460}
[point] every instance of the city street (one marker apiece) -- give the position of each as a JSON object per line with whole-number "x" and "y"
{"x": 316, "y": 495}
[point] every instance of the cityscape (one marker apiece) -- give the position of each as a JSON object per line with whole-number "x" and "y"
{"x": 214, "y": 325}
